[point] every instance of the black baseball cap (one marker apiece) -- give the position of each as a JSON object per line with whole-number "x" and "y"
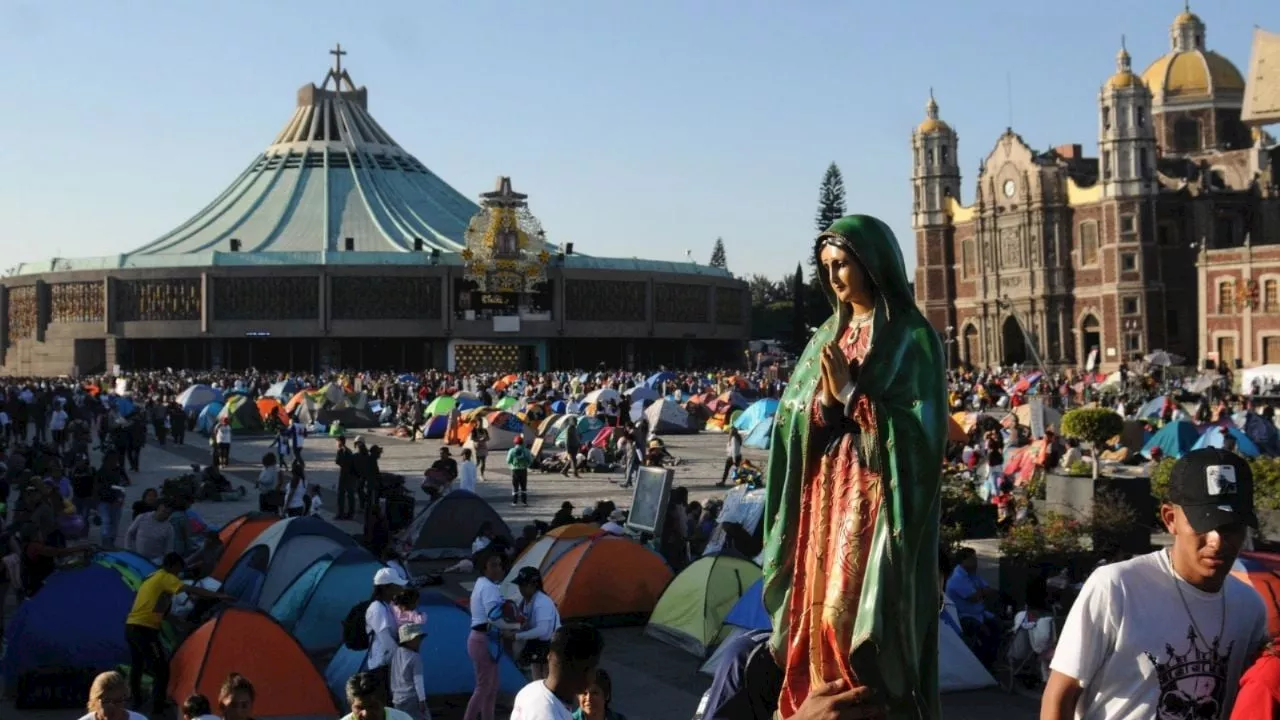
{"x": 1214, "y": 488}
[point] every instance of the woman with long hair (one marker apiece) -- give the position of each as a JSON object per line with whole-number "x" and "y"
{"x": 236, "y": 697}
{"x": 109, "y": 699}
{"x": 852, "y": 488}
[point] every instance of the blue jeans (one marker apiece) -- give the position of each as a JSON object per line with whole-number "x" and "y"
{"x": 110, "y": 515}
{"x": 633, "y": 468}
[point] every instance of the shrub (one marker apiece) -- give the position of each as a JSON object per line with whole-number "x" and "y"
{"x": 1056, "y": 535}
{"x": 1094, "y": 426}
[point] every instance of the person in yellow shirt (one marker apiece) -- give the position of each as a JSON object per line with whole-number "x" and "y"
{"x": 142, "y": 627}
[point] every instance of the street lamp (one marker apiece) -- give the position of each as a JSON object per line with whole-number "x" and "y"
{"x": 949, "y": 339}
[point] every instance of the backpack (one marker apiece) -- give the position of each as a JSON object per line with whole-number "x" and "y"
{"x": 354, "y": 633}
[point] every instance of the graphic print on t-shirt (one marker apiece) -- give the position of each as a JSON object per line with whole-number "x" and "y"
{"x": 1193, "y": 685}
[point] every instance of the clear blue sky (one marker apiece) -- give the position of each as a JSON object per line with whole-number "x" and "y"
{"x": 638, "y": 127}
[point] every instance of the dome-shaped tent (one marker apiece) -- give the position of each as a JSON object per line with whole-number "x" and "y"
{"x": 277, "y": 556}
{"x": 693, "y": 608}
{"x": 196, "y": 397}
{"x": 447, "y": 527}
{"x": 314, "y": 605}
{"x": 666, "y": 417}
{"x": 251, "y": 643}
{"x": 242, "y": 414}
{"x": 546, "y": 550}
{"x": 1217, "y": 436}
{"x": 586, "y": 582}
{"x": 236, "y": 536}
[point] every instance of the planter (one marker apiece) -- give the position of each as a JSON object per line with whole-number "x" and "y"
{"x": 1075, "y": 498}
{"x": 1017, "y": 573}
{"x": 977, "y": 522}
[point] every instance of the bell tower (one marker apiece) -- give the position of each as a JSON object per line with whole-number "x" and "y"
{"x": 935, "y": 182}
{"x": 1126, "y": 136}
{"x": 935, "y": 175}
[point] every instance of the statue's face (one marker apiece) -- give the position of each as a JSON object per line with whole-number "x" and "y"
{"x": 848, "y": 279}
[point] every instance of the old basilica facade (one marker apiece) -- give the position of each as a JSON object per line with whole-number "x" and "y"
{"x": 1063, "y": 259}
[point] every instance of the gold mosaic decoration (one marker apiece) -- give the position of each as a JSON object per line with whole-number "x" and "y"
{"x": 506, "y": 245}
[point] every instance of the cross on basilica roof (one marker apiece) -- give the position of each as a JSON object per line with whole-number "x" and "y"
{"x": 337, "y": 54}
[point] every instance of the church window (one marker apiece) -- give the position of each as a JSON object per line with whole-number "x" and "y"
{"x": 1144, "y": 163}
{"x": 1128, "y": 262}
{"x": 1106, "y": 117}
{"x": 946, "y": 191}
{"x": 1226, "y": 297}
{"x": 1106, "y": 164}
{"x": 930, "y": 156}
{"x": 1270, "y": 349}
{"x": 1140, "y": 116}
{"x": 917, "y": 194}
{"x": 1129, "y": 306}
{"x": 1089, "y": 243}
{"x": 1128, "y": 228}
{"x": 1186, "y": 135}
{"x": 1271, "y": 296}
{"x": 944, "y": 155}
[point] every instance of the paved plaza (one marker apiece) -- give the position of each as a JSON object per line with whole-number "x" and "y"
{"x": 652, "y": 681}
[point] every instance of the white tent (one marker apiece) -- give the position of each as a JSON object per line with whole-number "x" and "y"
{"x": 1265, "y": 374}
{"x": 667, "y": 417}
{"x": 603, "y": 395}
{"x": 958, "y": 668}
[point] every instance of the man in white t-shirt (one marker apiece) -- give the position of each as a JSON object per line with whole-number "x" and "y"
{"x": 1166, "y": 635}
{"x": 571, "y": 661}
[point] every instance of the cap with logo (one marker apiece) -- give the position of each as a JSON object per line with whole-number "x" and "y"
{"x": 1214, "y": 488}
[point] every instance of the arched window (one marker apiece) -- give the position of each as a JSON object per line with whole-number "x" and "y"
{"x": 1106, "y": 117}
{"x": 944, "y": 155}
{"x": 1186, "y": 134}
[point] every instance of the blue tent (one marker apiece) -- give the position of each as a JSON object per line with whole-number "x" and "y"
{"x": 208, "y": 418}
{"x": 196, "y": 397}
{"x": 1152, "y": 408}
{"x": 436, "y": 425}
{"x": 445, "y": 666}
{"x": 316, "y": 602}
{"x": 270, "y": 564}
{"x": 655, "y": 380}
{"x": 1214, "y": 437}
{"x": 558, "y": 407}
{"x": 749, "y": 613}
{"x": 760, "y": 436}
{"x": 75, "y": 621}
{"x": 1174, "y": 440}
{"x": 130, "y": 564}
{"x": 467, "y": 403}
{"x": 284, "y": 390}
{"x": 759, "y": 411}
{"x": 640, "y": 393}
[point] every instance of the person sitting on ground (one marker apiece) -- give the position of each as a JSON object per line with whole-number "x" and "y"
{"x": 564, "y": 516}
{"x": 594, "y": 703}
{"x": 572, "y": 660}
{"x": 969, "y": 592}
{"x": 204, "y": 559}
{"x": 615, "y": 524}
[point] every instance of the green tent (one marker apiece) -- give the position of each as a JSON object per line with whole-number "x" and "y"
{"x": 507, "y": 403}
{"x": 691, "y": 612}
{"x": 243, "y": 414}
{"x": 442, "y": 405}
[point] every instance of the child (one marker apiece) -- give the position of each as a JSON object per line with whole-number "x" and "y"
{"x": 408, "y": 690}
{"x": 196, "y": 707}
{"x": 405, "y": 607}
{"x": 314, "y": 503}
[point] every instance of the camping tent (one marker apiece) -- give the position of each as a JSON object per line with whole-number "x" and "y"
{"x": 251, "y": 643}
{"x": 283, "y": 390}
{"x": 243, "y": 414}
{"x": 236, "y": 536}
{"x": 314, "y": 605}
{"x": 198, "y": 396}
{"x": 546, "y": 550}
{"x": 586, "y": 584}
{"x": 749, "y": 613}
{"x": 76, "y": 621}
{"x": 277, "y": 556}
{"x": 657, "y": 379}
{"x": 435, "y": 427}
{"x": 692, "y": 610}
{"x": 1216, "y": 436}
{"x": 441, "y": 405}
{"x": 447, "y": 527}
{"x": 958, "y": 668}
{"x": 1174, "y": 440}
{"x": 208, "y": 417}
{"x": 446, "y": 669}
{"x": 761, "y": 435}
{"x": 759, "y": 411}
{"x": 666, "y": 417}
{"x": 269, "y": 408}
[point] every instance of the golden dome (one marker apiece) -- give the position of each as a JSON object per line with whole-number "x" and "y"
{"x": 931, "y": 122}
{"x": 1123, "y": 80}
{"x": 1186, "y": 16}
{"x": 1192, "y": 74}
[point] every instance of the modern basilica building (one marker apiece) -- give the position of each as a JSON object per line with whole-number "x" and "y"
{"x": 337, "y": 248}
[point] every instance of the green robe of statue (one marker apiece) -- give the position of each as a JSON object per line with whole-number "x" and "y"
{"x": 886, "y": 452}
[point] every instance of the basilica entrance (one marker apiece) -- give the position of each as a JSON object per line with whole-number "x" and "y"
{"x": 1090, "y": 338}
{"x": 1013, "y": 342}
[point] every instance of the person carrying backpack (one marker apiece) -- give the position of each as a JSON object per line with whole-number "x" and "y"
{"x": 372, "y": 626}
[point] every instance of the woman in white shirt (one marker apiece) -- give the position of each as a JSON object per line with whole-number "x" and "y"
{"x": 295, "y": 503}
{"x": 467, "y": 473}
{"x": 541, "y": 620}
{"x": 486, "y": 607}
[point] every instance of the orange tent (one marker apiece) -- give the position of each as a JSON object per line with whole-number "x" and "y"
{"x": 574, "y": 530}
{"x": 268, "y": 407}
{"x": 253, "y": 644}
{"x": 236, "y": 536}
{"x": 955, "y": 433}
{"x": 585, "y": 582}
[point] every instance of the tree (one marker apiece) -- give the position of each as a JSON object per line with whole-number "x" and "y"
{"x": 799, "y": 328}
{"x": 767, "y": 292}
{"x": 1092, "y": 425}
{"x": 717, "y": 255}
{"x": 830, "y": 198}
